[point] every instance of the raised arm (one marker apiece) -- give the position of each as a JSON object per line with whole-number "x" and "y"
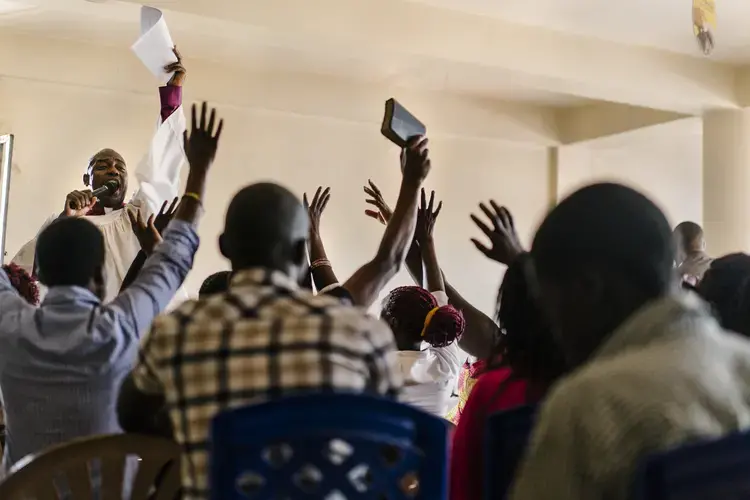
{"x": 368, "y": 281}
{"x": 423, "y": 234}
{"x": 382, "y": 214}
{"x": 481, "y": 331}
{"x": 148, "y": 235}
{"x": 158, "y": 172}
{"x": 320, "y": 267}
{"x": 165, "y": 270}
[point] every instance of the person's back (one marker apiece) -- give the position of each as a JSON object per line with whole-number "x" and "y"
{"x": 61, "y": 364}
{"x": 652, "y": 368}
{"x": 59, "y": 377}
{"x": 264, "y": 338}
{"x": 667, "y": 377}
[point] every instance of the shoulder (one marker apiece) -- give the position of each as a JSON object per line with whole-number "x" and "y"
{"x": 347, "y": 319}
{"x": 500, "y": 387}
{"x": 171, "y": 323}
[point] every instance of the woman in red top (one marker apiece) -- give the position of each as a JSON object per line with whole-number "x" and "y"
{"x": 530, "y": 363}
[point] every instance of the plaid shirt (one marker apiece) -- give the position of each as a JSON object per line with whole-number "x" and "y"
{"x": 265, "y": 338}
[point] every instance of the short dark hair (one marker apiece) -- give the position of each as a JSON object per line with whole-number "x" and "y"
{"x": 607, "y": 226}
{"x": 264, "y": 222}
{"x": 215, "y": 284}
{"x": 726, "y": 287}
{"x": 690, "y": 235}
{"x": 69, "y": 252}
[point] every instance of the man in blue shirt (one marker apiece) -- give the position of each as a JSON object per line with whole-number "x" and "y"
{"x": 61, "y": 364}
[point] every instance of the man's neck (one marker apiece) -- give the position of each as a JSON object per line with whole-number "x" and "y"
{"x": 98, "y": 209}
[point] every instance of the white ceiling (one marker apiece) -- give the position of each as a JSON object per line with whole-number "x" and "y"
{"x": 663, "y": 24}
{"x": 258, "y": 37}
{"x": 115, "y": 23}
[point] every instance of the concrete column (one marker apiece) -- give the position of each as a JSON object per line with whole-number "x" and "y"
{"x": 726, "y": 181}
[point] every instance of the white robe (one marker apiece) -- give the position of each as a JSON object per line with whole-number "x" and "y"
{"x": 159, "y": 176}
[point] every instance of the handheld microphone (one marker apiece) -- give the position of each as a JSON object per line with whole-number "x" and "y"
{"x": 109, "y": 187}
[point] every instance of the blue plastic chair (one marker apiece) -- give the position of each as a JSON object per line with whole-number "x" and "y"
{"x": 507, "y": 435}
{"x": 712, "y": 470}
{"x": 328, "y": 446}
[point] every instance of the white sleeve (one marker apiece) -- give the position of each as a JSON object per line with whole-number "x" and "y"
{"x": 159, "y": 170}
{"x": 441, "y": 297}
{"x": 437, "y": 364}
{"x": 25, "y": 257}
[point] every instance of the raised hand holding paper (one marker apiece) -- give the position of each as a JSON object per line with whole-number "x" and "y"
{"x": 154, "y": 47}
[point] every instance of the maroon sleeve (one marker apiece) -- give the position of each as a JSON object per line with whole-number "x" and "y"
{"x": 171, "y": 99}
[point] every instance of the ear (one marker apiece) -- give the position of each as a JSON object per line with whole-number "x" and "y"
{"x": 299, "y": 253}
{"x": 86, "y": 179}
{"x": 100, "y": 289}
{"x": 223, "y": 247}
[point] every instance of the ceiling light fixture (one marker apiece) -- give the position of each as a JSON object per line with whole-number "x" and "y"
{"x": 704, "y": 21}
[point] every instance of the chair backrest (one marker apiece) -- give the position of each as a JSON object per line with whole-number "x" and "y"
{"x": 711, "y": 470}
{"x": 507, "y": 435}
{"x": 95, "y": 468}
{"x": 331, "y": 446}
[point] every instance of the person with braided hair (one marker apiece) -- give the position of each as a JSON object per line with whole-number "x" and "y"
{"x": 481, "y": 333}
{"x": 26, "y": 285}
{"x": 426, "y": 328}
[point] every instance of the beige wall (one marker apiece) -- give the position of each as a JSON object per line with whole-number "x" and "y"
{"x": 64, "y": 100}
{"x": 664, "y": 161}
{"x": 300, "y": 131}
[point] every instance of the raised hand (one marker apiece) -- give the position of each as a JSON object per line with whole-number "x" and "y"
{"x": 316, "y": 208}
{"x": 426, "y": 218}
{"x": 78, "y": 203}
{"x": 505, "y": 245}
{"x": 383, "y": 212}
{"x": 165, "y": 215}
{"x": 201, "y": 144}
{"x": 147, "y": 234}
{"x": 177, "y": 68}
{"x": 415, "y": 159}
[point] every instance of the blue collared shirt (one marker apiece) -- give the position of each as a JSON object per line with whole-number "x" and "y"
{"x": 62, "y": 364}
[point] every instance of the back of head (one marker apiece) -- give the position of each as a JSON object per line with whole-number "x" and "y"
{"x": 688, "y": 238}
{"x": 266, "y": 226}
{"x": 726, "y": 287}
{"x": 606, "y": 226}
{"x": 414, "y": 315}
{"x": 215, "y": 284}
{"x": 526, "y": 344}
{"x": 70, "y": 251}
{"x": 599, "y": 255}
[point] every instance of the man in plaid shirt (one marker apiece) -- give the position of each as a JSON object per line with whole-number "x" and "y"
{"x": 264, "y": 338}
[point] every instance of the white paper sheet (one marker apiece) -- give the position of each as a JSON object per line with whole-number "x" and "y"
{"x": 154, "y": 47}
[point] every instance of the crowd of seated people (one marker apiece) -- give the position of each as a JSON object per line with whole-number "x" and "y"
{"x": 591, "y": 325}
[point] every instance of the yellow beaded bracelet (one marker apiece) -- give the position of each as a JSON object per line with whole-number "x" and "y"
{"x": 194, "y": 196}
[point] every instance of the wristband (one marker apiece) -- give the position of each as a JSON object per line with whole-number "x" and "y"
{"x": 194, "y": 196}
